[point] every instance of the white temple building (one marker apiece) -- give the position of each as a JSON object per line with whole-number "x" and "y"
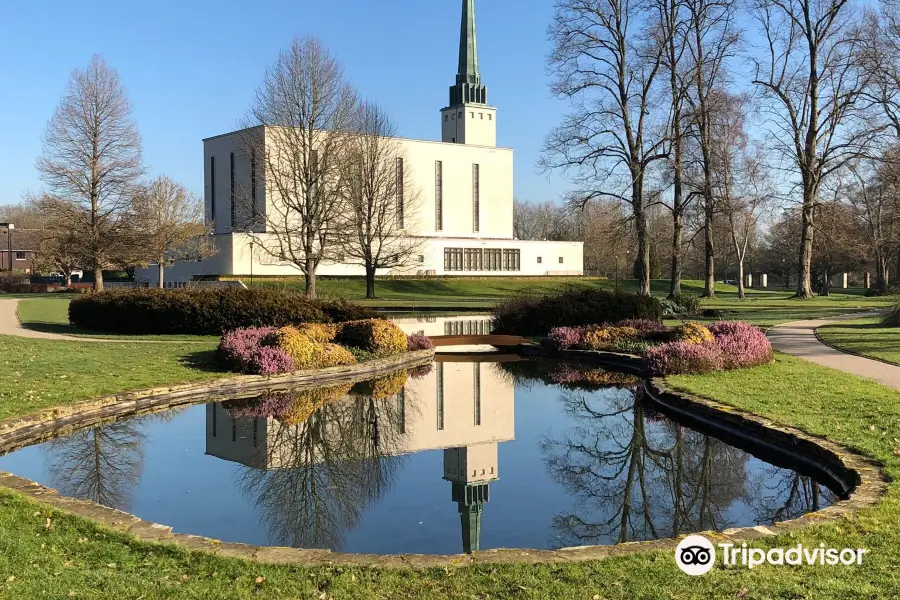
{"x": 464, "y": 194}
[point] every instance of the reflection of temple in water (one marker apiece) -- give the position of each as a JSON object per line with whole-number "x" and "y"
{"x": 462, "y": 408}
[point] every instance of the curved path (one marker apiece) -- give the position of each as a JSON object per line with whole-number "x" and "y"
{"x": 799, "y": 339}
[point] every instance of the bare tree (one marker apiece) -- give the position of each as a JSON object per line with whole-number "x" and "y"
{"x": 674, "y": 25}
{"x": 743, "y": 184}
{"x": 171, "y": 224}
{"x": 306, "y": 110}
{"x": 380, "y": 198}
{"x": 810, "y": 78}
{"x": 607, "y": 57}
{"x": 91, "y": 163}
{"x": 711, "y": 41}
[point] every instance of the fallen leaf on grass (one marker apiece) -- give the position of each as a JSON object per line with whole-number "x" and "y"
{"x": 259, "y": 580}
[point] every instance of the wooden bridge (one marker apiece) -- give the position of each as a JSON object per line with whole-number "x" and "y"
{"x": 477, "y": 340}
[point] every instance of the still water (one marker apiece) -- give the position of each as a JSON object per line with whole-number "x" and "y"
{"x": 476, "y": 452}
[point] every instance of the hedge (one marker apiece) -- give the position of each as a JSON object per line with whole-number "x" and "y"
{"x": 537, "y": 315}
{"x": 205, "y": 311}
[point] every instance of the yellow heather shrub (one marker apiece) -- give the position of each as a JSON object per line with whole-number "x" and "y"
{"x": 305, "y": 403}
{"x": 601, "y": 338}
{"x": 318, "y": 332}
{"x": 694, "y": 333}
{"x": 309, "y": 353}
{"x": 379, "y": 336}
{"x": 388, "y": 386}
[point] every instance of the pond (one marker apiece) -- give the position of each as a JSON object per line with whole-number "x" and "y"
{"x": 483, "y": 451}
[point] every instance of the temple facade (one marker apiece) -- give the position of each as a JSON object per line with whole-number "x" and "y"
{"x": 460, "y": 210}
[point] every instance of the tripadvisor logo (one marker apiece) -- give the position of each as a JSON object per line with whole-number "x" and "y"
{"x": 696, "y": 555}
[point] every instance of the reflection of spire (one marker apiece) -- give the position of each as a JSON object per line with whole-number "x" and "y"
{"x": 470, "y": 469}
{"x": 470, "y": 498}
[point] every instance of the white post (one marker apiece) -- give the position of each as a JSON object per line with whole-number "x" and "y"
{"x": 844, "y": 282}
{"x": 749, "y": 283}
{"x": 764, "y": 280}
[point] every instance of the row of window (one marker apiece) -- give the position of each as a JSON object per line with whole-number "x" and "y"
{"x": 452, "y": 117}
{"x": 482, "y": 259}
{"x": 238, "y": 222}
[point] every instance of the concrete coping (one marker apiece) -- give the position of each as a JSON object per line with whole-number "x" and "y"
{"x": 865, "y": 482}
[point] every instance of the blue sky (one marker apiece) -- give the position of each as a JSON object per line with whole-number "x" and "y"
{"x": 191, "y": 66}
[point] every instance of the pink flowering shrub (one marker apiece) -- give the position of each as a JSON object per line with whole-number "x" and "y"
{"x": 742, "y": 345}
{"x": 267, "y": 405}
{"x": 268, "y": 360}
{"x": 736, "y": 345}
{"x": 563, "y": 338}
{"x": 418, "y": 341}
{"x": 248, "y": 350}
{"x": 684, "y": 357}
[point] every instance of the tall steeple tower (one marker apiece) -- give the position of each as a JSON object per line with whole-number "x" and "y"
{"x": 468, "y": 119}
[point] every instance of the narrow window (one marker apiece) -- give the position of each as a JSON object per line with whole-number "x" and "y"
{"x": 440, "y": 396}
{"x": 233, "y": 430}
{"x": 20, "y": 256}
{"x": 472, "y": 114}
{"x": 401, "y": 409}
{"x": 233, "y": 211}
{"x": 255, "y": 428}
{"x": 540, "y": 260}
{"x": 490, "y": 117}
{"x": 477, "y": 374}
{"x": 212, "y": 189}
{"x": 253, "y": 209}
{"x": 421, "y": 258}
{"x": 560, "y": 260}
{"x": 400, "y": 193}
{"x": 476, "y": 193}
{"x": 214, "y": 417}
{"x": 439, "y": 195}
{"x": 453, "y": 116}
{"x": 446, "y": 118}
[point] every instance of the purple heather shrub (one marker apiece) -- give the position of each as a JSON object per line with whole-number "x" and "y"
{"x": 268, "y": 360}
{"x": 418, "y": 341}
{"x": 267, "y": 405}
{"x": 237, "y": 347}
{"x": 721, "y": 328}
{"x": 563, "y": 338}
{"x": 746, "y": 347}
{"x": 643, "y": 325}
{"x": 420, "y": 372}
{"x": 684, "y": 357}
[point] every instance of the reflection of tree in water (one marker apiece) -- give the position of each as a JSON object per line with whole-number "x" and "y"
{"x": 786, "y": 494}
{"x": 635, "y": 478}
{"x": 102, "y": 464}
{"x": 325, "y": 471}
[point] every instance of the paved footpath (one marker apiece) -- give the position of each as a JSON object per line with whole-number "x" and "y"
{"x": 799, "y": 339}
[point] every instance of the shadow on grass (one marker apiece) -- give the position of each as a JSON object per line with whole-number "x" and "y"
{"x": 204, "y": 360}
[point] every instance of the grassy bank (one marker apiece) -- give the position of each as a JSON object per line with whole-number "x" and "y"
{"x": 47, "y": 554}
{"x": 38, "y": 374}
{"x": 864, "y": 336}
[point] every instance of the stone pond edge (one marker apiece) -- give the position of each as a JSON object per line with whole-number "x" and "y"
{"x": 870, "y": 482}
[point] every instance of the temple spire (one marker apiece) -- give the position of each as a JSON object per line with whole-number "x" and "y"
{"x": 468, "y": 88}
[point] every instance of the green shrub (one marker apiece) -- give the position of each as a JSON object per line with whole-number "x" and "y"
{"x": 537, "y": 315}
{"x": 892, "y": 318}
{"x": 689, "y": 303}
{"x": 202, "y": 311}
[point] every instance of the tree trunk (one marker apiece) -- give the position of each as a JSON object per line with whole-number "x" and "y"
{"x": 709, "y": 288}
{"x": 740, "y": 267}
{"x": 68, "y": 279}
{"x": 826, "y": 282}
{"x": 640, "y": 225}
{"x": 370, "y": 282}
{"x": 98, "y": 278}
{"x": 161, "y": 268}
{"x": 804, "y": 283}
{"x": 677, "y": 239}
{"x": 884, "y": 273}
{"x": 310, "y": 275}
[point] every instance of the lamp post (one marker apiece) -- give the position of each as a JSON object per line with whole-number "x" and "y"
{"x": 9, "y": 227}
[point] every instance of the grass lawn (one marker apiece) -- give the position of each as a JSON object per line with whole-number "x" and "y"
{"x": 48, "y": 554}
{"x": 864, "y": 336}
{"x": 37, "y": 374}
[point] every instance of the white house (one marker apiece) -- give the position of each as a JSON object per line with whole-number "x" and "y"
{"x": 464, "y": 211}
